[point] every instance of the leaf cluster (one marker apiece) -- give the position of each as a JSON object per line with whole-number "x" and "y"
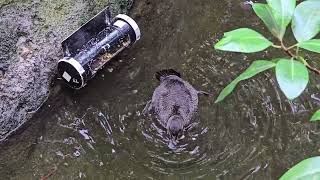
{"x": 292, "y": 72}
{"x": 306, "y": 169}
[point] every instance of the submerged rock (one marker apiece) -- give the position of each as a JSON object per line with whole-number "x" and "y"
{"x": 30, "y": 36}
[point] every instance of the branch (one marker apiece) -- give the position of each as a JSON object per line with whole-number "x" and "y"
{"x": 315, "y": 70}
{"x": 51, "y": 173}
{"x": 292, "y": 46}
{"x": 288, "y": 52}
{"x": 276, "y": 46}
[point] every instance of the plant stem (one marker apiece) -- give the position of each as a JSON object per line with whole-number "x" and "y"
{"x": 292, "y": 46}
{"x": 315, "y": 70}
{"x": 288, "y": 52}
{"x": 297, "y": 51}
{"x": 276, "y": 46}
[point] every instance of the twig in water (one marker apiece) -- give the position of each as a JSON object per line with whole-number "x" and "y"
{"x": 51, "y": 173}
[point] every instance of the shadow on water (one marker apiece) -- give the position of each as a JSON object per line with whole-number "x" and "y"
{"x": 99, "y": 132}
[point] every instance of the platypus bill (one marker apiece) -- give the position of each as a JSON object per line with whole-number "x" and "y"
{"x": 174, "y": 102}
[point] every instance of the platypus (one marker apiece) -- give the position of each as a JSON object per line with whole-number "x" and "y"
{"x": 174, "y": 102}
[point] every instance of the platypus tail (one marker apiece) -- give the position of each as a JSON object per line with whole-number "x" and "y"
{"x": 166, "y": 72}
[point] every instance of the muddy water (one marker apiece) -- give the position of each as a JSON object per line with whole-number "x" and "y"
{"x": 99, "y": 133}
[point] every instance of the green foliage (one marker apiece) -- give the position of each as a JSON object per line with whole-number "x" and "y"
{"x": 265, "y": 13}
{"x": 306, "y": 169}
{"x": 276, "y": 15}
{"x": 306, "y": 20}
{"x": 283, "y": 11}
{"x": 241, "y": 40}
{"x": 292, "y": 77}
{"x": 255, "y": 68}
{"x": 291, "y": 73}
{"x": 311, "y": 45}
{"x": 316, "y": 116}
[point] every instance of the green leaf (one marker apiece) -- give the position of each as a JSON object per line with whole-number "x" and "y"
{"x": 306, "y": 20}
{"x": 306, "y": 169}
{"x": 283, "y": 11}
{"x": 255, "y": 68}
{"x": 264, "y": 12}
{"x": 316, "y": 116}
{"x": 277, "y": 14}
{"x": 243, "y": 40}
{"x": 292, "y": 77}
{"x": 311, "y": 45}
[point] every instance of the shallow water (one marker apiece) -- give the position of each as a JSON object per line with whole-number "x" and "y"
{"x": 99, "y": 133}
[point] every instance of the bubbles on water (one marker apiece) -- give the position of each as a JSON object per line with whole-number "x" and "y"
{"x": 60, "y": 154}
{"x": 76, "y": 153}
{"x": 104, "y": 122}
{"x": 86, "y": 136}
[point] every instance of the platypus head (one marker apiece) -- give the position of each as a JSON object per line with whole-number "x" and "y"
{"x": 175, "y": 126}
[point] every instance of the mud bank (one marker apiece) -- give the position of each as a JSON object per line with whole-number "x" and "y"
{"x": 30, "y": 35}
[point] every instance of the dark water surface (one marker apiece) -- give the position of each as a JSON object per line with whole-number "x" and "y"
{"x": 99, "y": 133}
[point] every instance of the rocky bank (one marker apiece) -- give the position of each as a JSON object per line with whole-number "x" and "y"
{"x": 30, "y": 35}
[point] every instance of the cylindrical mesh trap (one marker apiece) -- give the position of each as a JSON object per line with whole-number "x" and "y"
{"x": 90, "y": 47}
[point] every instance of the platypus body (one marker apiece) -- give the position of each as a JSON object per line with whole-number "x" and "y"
{"x": 174, "y": 102}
